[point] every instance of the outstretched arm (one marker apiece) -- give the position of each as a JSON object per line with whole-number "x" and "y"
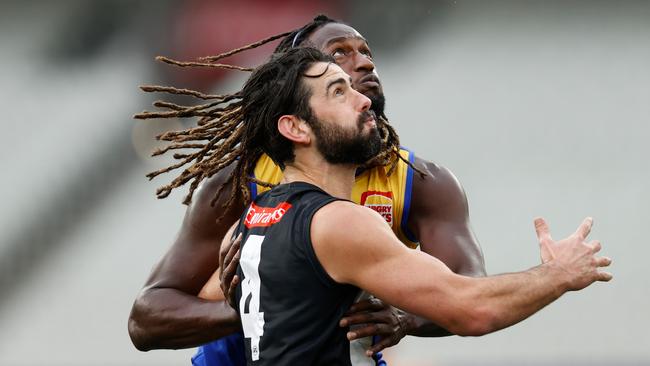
{"x": 167, "y": 313}
{"x": 376, "y": 261}
{"x": 439, "y": 218}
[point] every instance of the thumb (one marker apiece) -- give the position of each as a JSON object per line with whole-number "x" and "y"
{"x": 543, "y": 232}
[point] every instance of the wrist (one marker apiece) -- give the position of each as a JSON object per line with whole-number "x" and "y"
{"x": 557, "y": 276}
{"x": 408, "y": 323}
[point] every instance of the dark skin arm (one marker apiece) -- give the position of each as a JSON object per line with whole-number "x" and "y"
{"x": 167, "y": 313}
{"x": 439, "y": 218}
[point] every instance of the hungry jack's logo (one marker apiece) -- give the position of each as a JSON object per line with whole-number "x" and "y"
{"x": 265, "y": 216}
{"x": 382, "y": 202}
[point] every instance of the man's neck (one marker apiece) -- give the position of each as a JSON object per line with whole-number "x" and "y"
{"x": 335, "y": 179}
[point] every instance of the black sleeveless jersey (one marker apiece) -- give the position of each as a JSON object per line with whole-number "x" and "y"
{"x": 289, "y": 306}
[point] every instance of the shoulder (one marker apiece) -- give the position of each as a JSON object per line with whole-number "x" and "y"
{"x": 439, "y": 216}
{"x": 341, "y": 235}
{"x": 342, "y": 222}
{"x": 209, "y": 187}
{"x": 341, "y": 211}
{"x": 436, "y": 187}
{"x": 209, "y": 201}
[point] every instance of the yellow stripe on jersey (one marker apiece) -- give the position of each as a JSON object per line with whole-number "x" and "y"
{"x": 390, "y": 195}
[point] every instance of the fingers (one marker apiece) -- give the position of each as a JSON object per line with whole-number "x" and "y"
{"x": 543, "y": 232}
{"x": 361, "y": 318}
{"x": 595, "y": 246}
{"x": 545, "y": 240}
{"x": 599, "y": 261}
{"x": 585, "y": 228}
{"x": 229, "y": 267}
{"x": 226, "y": 260}
{"x": 235, "y": 244}
{"x": 380, "y": 346}
{"x": 604, "y": 276}
{"x": 230, "y": 296}
{"x": 372, "y": 304}
{"x": 370, "y": 330}
{"x": 603, "y": 261}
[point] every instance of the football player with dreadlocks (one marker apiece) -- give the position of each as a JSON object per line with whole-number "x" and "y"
{"x": 301, "y": 272}
{"x": 422, "y": 202}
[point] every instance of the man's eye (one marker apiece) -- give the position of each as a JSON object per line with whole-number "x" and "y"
{"x": 338, "y": 52}
{"x": 366, "y": 53}
{"x": 338, "y": 92}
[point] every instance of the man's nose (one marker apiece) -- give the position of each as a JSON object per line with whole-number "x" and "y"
{"x": 365, "y": 102}
{"x": 362, "y": 62}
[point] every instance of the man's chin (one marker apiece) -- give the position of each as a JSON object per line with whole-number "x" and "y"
{"x": 377, "y": 103}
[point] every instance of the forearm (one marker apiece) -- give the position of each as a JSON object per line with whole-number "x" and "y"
{"x": 462, "y": 305}
{"x": 471, "y": 266}
{"x": 165, "y": 318}
{"x": 504, "y": 300}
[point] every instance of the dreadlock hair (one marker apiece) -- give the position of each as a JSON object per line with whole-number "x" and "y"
{"x": 243, "y": 129}
{"x": 224, "y": 133}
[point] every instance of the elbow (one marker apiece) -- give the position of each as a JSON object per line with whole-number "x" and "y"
{"x": 138, "y": 332}
{"x": 138, "y": 336}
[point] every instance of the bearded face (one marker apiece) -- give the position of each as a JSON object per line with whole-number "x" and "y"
{"x": 353, "y": 146}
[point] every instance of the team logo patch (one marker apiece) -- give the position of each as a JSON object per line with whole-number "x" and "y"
{"x": 265, "y": 216}
{"x": 382, "y": 202}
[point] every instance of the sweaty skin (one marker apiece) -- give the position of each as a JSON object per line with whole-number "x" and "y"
{"x": 167, "y": 313}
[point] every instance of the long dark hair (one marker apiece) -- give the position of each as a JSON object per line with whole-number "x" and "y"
{"x": 242, "y": 125}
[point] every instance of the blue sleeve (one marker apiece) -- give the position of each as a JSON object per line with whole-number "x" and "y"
{"x": 407, "y": 200}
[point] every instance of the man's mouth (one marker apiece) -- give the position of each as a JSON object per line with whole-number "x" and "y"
{"x": 369, "y": 118}
{"x": 369, "y": 81}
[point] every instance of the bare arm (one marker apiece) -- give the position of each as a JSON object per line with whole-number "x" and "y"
{"x": 212, "y": 289}
{"x": 376, "y": 261}
{"x": 439, "y": 217}
{"x": 167, "y": 313}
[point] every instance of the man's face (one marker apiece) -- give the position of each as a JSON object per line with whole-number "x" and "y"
{"x": 351, "y": 52}
{"x": 344, "y": 127}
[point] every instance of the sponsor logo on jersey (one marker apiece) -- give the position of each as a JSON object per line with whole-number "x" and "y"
{"x": 382, "y": 202}
{"x": 265, "y": 216}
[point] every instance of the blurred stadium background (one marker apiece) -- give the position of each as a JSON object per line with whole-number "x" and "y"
{"x": 540, "y": 108}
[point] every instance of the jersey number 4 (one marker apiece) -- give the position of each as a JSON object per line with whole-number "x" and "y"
{"x": 249, "y": 304}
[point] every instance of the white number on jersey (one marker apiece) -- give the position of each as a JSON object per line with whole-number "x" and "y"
{"x": 249, "y": 304}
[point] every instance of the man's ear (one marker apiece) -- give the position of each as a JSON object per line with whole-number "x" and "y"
{"x": 294, "y": 129}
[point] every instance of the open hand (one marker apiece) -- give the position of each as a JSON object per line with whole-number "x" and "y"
{"x": 375, "y": 318}
{"x": 573, "y": 255}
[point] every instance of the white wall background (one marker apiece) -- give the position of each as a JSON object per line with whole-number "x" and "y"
{"x": 540, "y": 111}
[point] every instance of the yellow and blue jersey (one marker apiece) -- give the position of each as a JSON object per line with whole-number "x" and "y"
{"x": 390, "y": 195}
